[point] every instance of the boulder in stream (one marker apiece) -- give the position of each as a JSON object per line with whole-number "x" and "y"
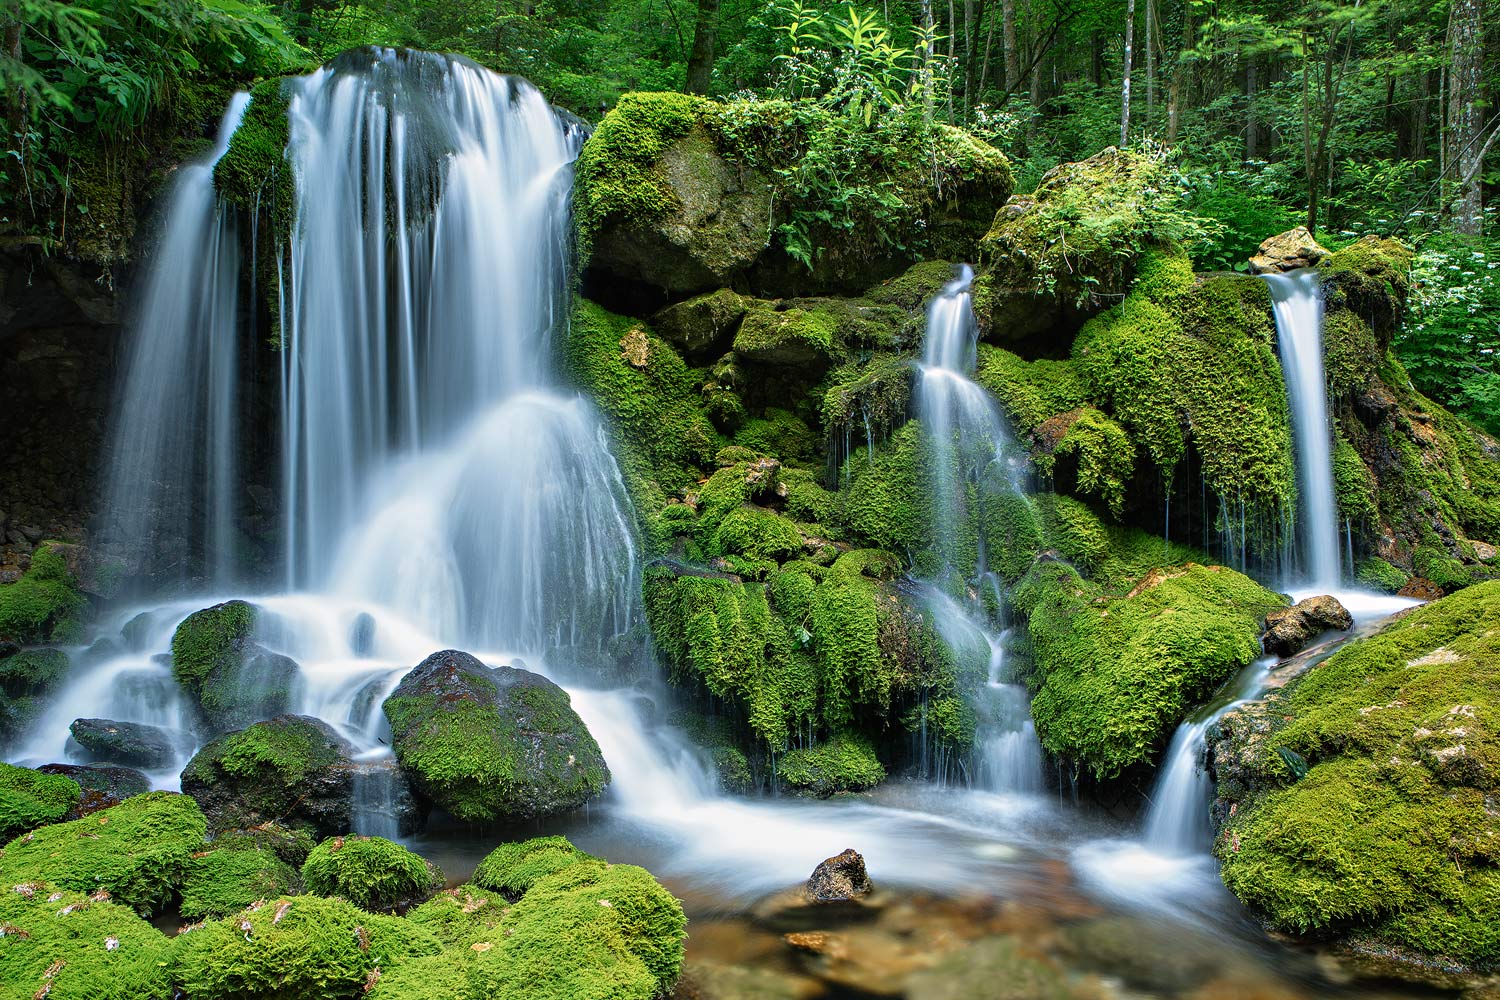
{"x": 234, "y": 680}
{"x": 485, "y": 743}
{"x": 1288, "y": 251}
{"x": 840, "y": 878}
{"x": 1289, "y": 630}
{"x": 131, "y": 743}
{"x": 103, "y": 785}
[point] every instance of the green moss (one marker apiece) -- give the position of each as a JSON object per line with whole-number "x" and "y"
{"x": 1350, "y": 352}
{"x": 885, "y": 503}
{"x": 757, "y": 533}
{"x": 29, "y": 799}
{"x": 44, "y": 605}
{"x": 1377, "y": 574}
{"x": 866, "y": 399}
{"x": 512, "y": 869}
{"x": 788, "y": 337}
{"x": 32, "y": 672}
{"x": 1030, "y": 391}
{"x": 846, "y": 763}
{"x": 1392, "y": 831}
{"x": 431, "y": 977}
{"x": 949, "y": 723}
{"x": 1106, "y": 456}
{"x": 225, "y": 880}
{"x": 138, "y": 851}
{"x": 1115, "y": 674}
{"x": 262, "y": 769}
{"x": 253, "y": 172}
{"x": 289, "y": 844}
{"x": 913, "y": 287}
{"x": 211, "y": 638}
{"x": 294, "y": 947}
{"x": 806, "y": 499}
{"x": 62, "y": 945}
{"x": 779, "y": 434}
{"x": 461, "y": 916}
{"x": 1353, "y": 486}
{"x": 371, "y": 872}
{"x": 1371, "y": 278}
{"x": 590, "y": 930}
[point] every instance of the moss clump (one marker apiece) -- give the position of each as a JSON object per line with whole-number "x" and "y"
{"x": 27, "y": 680}
{"x": 1105, "y": 454}
{"x": 1392, "y": 831}
{"x": 300, "y": 946}
{"x": 432, "y": 977}
{"x": 788, "y": 337}
{"x": 512, "y": 869}
{"x": 590, "y": 930}
{"x": 779, "y": 434}
{"x": 44, "y": 605}
{"x": 866, "y": 400}
{"x": 253, "y": 172}
{"x": 225, "y": 880}
{"x": 371, "y": 872}
{"x": 757, "y": 533}
{"x": 1371, "y": 279}
{"x": 29, "y": 799}
{"x": 461, "y": 916}
{"x": 208, "y": 639}
{"x": 886, "y": 503}
{"x": 1031, "y": 391}
{"x": 1377, "y": 574}
{"x": 289, "y": 844}
{"x": 1114, "y": 674}
{"x": 138, "y": 851}
{"x": 845, "y": 763}
{"x": 911, "y": 289}
{"x": 1353, "y": 486}
{"x": 63, "y": 945}
{"x": 1350, "y": 352}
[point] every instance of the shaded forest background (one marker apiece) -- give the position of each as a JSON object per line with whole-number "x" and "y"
{"x": 1348, "y": 116}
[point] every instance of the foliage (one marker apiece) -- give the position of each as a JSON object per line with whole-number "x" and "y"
{"x": 1452, "y": 347}
{"x": 371, "y": 872}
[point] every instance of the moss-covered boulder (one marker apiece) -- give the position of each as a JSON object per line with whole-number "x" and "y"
{"x": 233, "y": 679}
{"x": 485, "y": 743}
{"x": 787, "y": 337}
{"x": 138, "y": 851}
{"x": 371, "y": 872}
{"x": 297, "y": 946}
{"x": 844, "y": 763}
{"x": 1362, "y": 803}
{"x": 29, "y": 799}
{"x": 103, "y": 785}
{"x": 28, "y": 677}
{"x": 460, "y": 916}
{"x": 511, "y": 869}
{"x": 224, "y": 880}
{"x": 704, "y": 321}
{"x": 61, "y": 944}
{"x": 293, "y": 769}
{"x": 1115, "y": 673}
{"x": 45, "y": 604}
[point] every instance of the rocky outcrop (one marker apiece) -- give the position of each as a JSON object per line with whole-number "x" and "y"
{"x": 488, "y": 743}
{"x": 1289, "y": 630}
{"x": 840, "y": 878}
{"x": 130, "y": 743}
{"x": 1288, "y": 251}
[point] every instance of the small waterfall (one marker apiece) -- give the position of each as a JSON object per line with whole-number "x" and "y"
{"x": 970, "y": 441}
{"x": 171, "y": 473}
{"x": 1177, "y": 819}
{"x": 1298, "y": 301}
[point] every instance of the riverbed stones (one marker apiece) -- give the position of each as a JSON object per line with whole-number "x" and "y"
{"x": 131, "y": 743}
{"x": 1289, "y": 630}
{"x": 840, "y": 878}
{"x": 486, "y": 743}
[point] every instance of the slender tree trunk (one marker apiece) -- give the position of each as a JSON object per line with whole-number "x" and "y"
{"x": 700, "y": 67}
{"x": 989, "y": 47}
{"x": 925, "y": 76}
{"x": 1177, "y": 92}
{"x": 970, "y": 63}
{"x": 1419, "y": 118}
{"x": 1008, "y": 41}
{"x": 952, "y": 64}
{"x": 1308, "y": 166}
{"x": 1125, "y": 76}
{"x": 1250, "y": 126}
{"x": 15, "y": 109}
{"x": 1150, "y": 62}
{"x": 1466, "y": 152}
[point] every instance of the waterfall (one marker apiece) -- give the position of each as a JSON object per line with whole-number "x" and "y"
{"x": 1298, "y": 301}
{"x": 969, "y": 444}
{"x": 171, "y": 471}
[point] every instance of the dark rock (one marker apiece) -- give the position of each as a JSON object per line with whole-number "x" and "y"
{"x": 1289, "y": 630}
{"x": 840, "y": 878}
{"x": 485, "y": 743}
{"x": 103, "y": 785}
{"x": 129, "y": 743}
{"x": 701, "y": 322}
{"x": 234, "y": 680}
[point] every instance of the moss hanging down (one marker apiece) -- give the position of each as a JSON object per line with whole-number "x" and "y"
{"x": 512, "y": 869}
{"x": 1391, "y": 834}
{"x": 44, "y": 605}
{"x": 1114, "y": 674}
{"x": 298, "y": 946}
{"x": 225, "y": 880}
{"x": 254, "y": 173}
{"x": 1104, "y": 453}
{"x": 28, "y": 679}
{"x": 29, "y": 799}
{"x": 138, "y": 851}
{"x": 63, "y": 945}
{"x": 371, "y": 872}
{"x": 1031, "y": 391}
{"x": 845, "y": 763}
{"x": 866, "y": 400}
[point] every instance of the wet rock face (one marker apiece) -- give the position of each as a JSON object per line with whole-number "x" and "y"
{"x": 840, "y": 878}
{"x": 234, "y": 680}
{"x": 1288, "y": 251}
{"x": 129, "y": 743}
{"x": 485, "y": 743}
{"x": 1289, "y": 630}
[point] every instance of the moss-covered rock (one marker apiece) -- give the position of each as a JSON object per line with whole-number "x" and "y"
{"x": 485, "y": 743}
{"x": 371, "y": 872}
{"x": 845, "y": 763}
{"x": 1114, "y": 674}
{"x": 293, "y": 769}
{"x": 29, "y": 799}
{"x": 254, "y": 172}
{"x": 703, "y": 322}
{"x": 460, "y": 916}
{"x": 63, "y": 945}
{"x": 1391, "y": 831}
{"x": 234, "y": 680}
{"x": 44, "y": 605}
{"x": 299, "y": 946}
{"x": 103, "y": 785}
{"x": 512, "y": 869}
{"x": 224, "y": 880}
{"x": 27, "y": 679}
{"x": 128, "y": 742}
{"x": 138, "y": 851}
{"x": 432, "y": 977}
{"x": 787, "y": 337}
{"x": 1369, "y": 278}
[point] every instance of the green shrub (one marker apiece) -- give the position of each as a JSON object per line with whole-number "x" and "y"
{"x": 29, "y": 799}
{"x": 371, "y": 872}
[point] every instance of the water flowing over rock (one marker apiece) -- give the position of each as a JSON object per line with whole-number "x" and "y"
{"x": 840, "y": 878}
{"x": 1289, "y": 630}
{"x": 486, "y": 743}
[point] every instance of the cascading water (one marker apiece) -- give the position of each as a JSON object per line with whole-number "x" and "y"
{"x": 1298, "y": 302}
{"x": 970, "y": 444}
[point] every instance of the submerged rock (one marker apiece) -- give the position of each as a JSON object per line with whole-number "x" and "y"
{"x": 103, "y": 785}
{"x": 840, "y": 878}
{"x": 485, "y": 743}
{"x": 1289, "y": 630}
{"x": 131, "y": 743}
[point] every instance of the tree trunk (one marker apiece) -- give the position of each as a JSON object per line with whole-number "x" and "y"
{"x": 700, "y": 67}
{"x": 1177, "y": 92}
{"x": 15, "y": 111}
{"x": 1465, "y": 157}
{"x": 1150, "y": 62}
{"x": 1125, "y": 76}
{"x": 925, "y": 75}
{"x": 1251, "y": 145}
{"x": 1008, "y": 41}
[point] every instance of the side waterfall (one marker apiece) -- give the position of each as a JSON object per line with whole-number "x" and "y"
{"x": 1298, "y": 301}
{"x": 970, "y": 440}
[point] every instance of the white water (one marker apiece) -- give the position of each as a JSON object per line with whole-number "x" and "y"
{"x": 1298, "y": 303}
